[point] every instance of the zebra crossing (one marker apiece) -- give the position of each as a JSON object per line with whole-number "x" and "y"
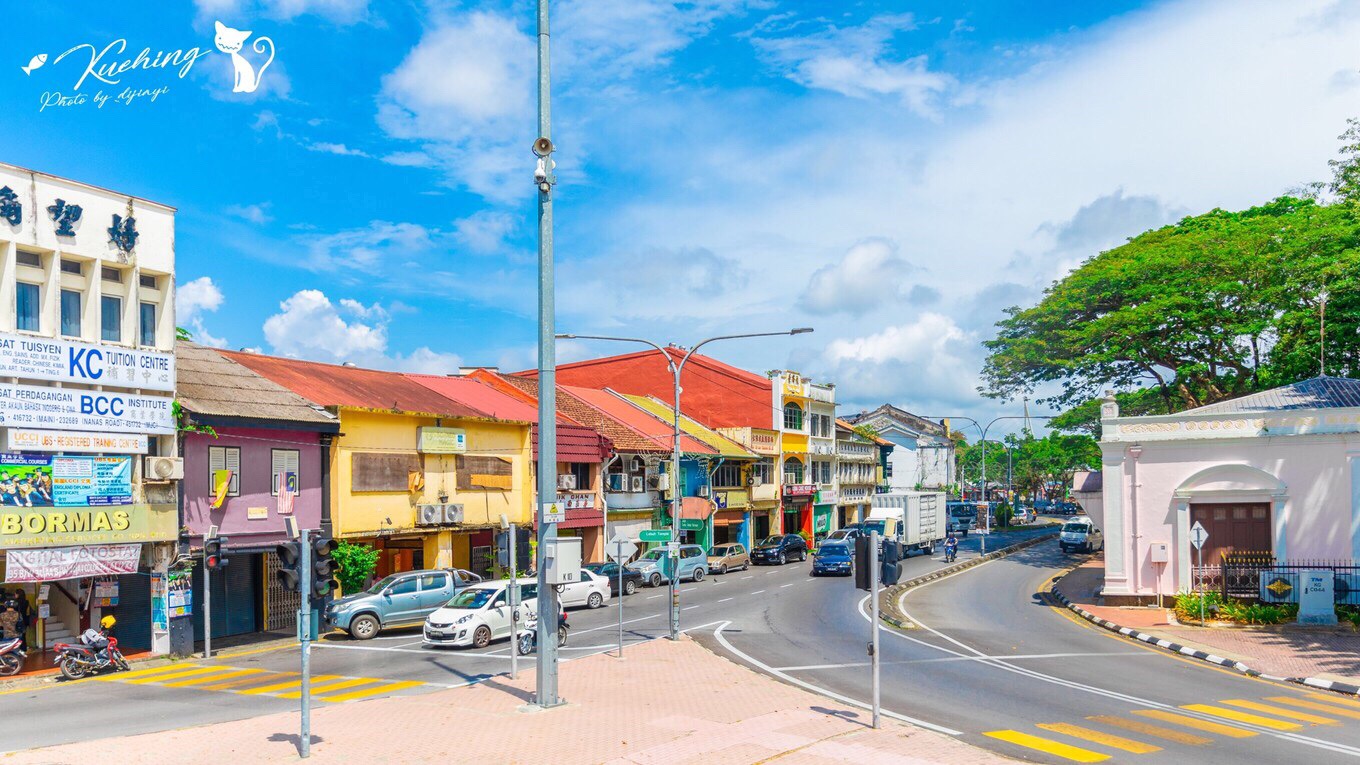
{"x": 246, "y": 681}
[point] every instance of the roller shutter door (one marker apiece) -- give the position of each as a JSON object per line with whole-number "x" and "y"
{"x": 133, "y": 612}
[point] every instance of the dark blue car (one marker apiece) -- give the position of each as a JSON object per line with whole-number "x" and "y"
{"x": 833, "y": 558}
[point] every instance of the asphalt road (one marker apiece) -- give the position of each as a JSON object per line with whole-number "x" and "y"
{"x": 1000, "y": 668}
{"x": 246, "y": 684}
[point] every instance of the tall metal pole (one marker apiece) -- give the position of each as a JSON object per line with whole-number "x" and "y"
{"x": 547, "y": 382}
{"x": 873, "y": 630}
{"x": 305, "y": 637}
{"x": 207, "y": 607}
{"x": 674, "y": 574}
{"x": 514, "y": 602}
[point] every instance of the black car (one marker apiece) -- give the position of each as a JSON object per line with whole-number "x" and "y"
{"x": 780, "y": 549}
{"x": 632, "y": 579}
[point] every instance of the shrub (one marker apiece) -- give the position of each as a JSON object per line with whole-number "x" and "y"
{"x": 1188, "y": 605}
{"x": 354, "y": 565}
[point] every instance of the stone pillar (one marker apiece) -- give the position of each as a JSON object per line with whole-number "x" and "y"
{"x": 1279, "y": 511}
{"x": 1184, "y": 550}
{"x": 1116, "y": 524}
{"x": 1354, "y": 460}
{"x": 439, "y": 550}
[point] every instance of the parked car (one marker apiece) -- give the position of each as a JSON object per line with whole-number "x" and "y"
{"x": 780, "y": 549}
{"x": 479, "y": 614}
{"x": 693, "y": 565}
{"x": 1080, "y": 534}
{"x": 399, "y": 600}
{"x": 724, "y": 558}
{"x": 833, "y": 557}
{"x": 632, "y": 579}
{"x": 592, "y": 591}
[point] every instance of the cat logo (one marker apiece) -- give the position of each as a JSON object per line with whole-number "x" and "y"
{"x": 231, "y": 41}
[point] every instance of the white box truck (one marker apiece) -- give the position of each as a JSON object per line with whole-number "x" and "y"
{"x": 917, "y": 520}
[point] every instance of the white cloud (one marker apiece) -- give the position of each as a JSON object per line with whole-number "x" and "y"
{"x": 484, "y": 231}
{"x": 408, "y": 159}
{"x": 869, "y": 275}
{"x": 379, "y": 250}
{"x": 928, "y": 361}
{"x": 336, "y": 148}
{"x": 610, "y": 39}
{"x": 855, "y": 61}
{"x": 339, "y": 11}
{"x": 256, "y": 213}
{"x": 309, "y": 325}
{"x": 192, "y": 300}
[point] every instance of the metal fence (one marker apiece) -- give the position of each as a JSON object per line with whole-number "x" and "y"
{"x": 1239, "y": 576}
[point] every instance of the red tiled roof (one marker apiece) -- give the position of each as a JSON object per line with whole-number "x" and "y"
{"x": 625, "y": 438}
{"x": 620, "y": 409}
{"x": 716, "y": 394}
{"x": 335, "y": 385}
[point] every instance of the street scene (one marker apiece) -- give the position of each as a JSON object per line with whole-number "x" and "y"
{"x": 726, "y": 381}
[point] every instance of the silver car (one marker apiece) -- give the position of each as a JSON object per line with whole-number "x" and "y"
{"x": 652, "y": 565}
{"x": 399, "y": 600}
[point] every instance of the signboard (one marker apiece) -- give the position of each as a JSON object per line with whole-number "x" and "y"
{"x": 577, "y": 501}
{"x": 554, "y": 512}
{"x": 691, "y": 524}
{"x": 160, "y": 594}
{"x": 91, "y": 481}
{"x": 764, "y": 442}
{"x": 434, "y": 440}
{"x": 72, "y": 409}
{"x": 257, "y": 513}
{"x": 22, "y": 527}
{"x": 24, "y": 440}
{"x": 1198, "y": 535}
{"x": 827, "y": 497}
{"x": 67, "y": 361}
{"x": 181, "y": 596}
{"x": 655, "y": 535}
{"x": 620, "y": 548}
{"x": 800, "y": 489}
{"x": 105, "y": 593}
{"x": 44, "y": 610}
{"x": 56, "y": 563}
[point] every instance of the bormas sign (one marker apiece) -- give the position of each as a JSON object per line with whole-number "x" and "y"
{"x": 144, "y": 76}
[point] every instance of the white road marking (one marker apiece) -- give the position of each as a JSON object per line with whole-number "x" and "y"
{"x": 686, "y": 608}
{"x": 653, "y": 597}
{"x": 757, "y": 592}
{"x": 749, "y": 576}
{"x": 718, "y": 634}
{"x": 790, "y": 584}
{"x": 724, "y": 600}
{"x": 810, "y": 667}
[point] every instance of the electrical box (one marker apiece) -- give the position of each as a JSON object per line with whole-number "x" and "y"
{"x": 562, "y": 561}
{"x": 1159, "y": 553}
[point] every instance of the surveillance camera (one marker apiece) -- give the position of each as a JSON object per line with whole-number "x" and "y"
{"x": 541, "y": 171}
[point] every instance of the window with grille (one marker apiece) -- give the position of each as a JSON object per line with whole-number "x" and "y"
{"x": 225, "y": 458}
{"x": 793, "y": 416}
{"x": 793, "y": 470}
{"x": 283, "y": 461}
{"x": 727, "y": 474}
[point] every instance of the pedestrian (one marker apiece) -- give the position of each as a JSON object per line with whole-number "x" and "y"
{"x": 9, "y": 621}
{"x": 25, "y": 615}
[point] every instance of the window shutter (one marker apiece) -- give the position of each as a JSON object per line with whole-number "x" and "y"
{"x": 233, "y": 457}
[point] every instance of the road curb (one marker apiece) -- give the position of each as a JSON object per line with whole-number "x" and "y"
{"x": 1193, "y": 653}
{"x": 887, "y": 600}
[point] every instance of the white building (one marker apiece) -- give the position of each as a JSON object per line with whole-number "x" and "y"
{"x": 924, "y": 454}
{"x": 856, "y": 473}
{"x": 87, "y": 377}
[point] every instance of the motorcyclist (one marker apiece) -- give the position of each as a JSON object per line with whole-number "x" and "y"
{"x": 98, "y": 639}
{"x": 951, "y": 547}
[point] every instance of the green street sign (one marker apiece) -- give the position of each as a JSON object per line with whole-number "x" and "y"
{"x": 655, "y": 535}
{"x": 690, "y": 524}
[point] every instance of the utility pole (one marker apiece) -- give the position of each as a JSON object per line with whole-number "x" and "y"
{"x": 548, "y": 609}
{"x": 873, "y": 629}
{"x": 514, "y": 602}
{"x": 304, "y": 621}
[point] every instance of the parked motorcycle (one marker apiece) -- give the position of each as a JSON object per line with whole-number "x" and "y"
{"x": 527, "y": 639}
{"x": 78, "y": 660}
{"x": 11, "y": 656}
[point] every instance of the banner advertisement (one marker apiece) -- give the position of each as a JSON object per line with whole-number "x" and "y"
{"x": 65, "y": 526}
{"x": 21, "y": 440}
{"x": 38, "y": 358}
{"x": 28, "y": 406}
{"x": 43, "y": 481}
{"x": 58, "y": 563}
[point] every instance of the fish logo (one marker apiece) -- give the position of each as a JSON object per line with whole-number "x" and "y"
{"x": 35, "y": 63}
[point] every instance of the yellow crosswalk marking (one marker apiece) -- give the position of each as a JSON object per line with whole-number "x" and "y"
{"x": 288, "y": 685}
{"x": 267, "y": 677}
{"x": 1242, "y": 717}
{"x": 1279, "y": 711}
{"x": 1148, "y": 729}
{"x": 1332, "y": 698}
{"x": 362, "y": 692}
{"x": 170, "y": 675}
{"x": 1098, "y": 737}
{"x": 1306, "y": 704}
{"x": 213, "y": 678}
{"x": 1196, "y": 723}
{"x": 1048, "y": 746}
{"x": 124, "y": 676}
{"x": 329, "y": 687}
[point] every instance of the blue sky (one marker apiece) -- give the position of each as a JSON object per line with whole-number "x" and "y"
{"x": 891, "y": 173}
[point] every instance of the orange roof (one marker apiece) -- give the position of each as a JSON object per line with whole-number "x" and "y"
{"x": 623, "y": 411}
{"x": 625, "y": 438}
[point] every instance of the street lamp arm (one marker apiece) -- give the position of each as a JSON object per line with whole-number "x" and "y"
{"x": 622, "y": 340}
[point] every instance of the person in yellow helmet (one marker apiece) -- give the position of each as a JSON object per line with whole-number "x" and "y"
{"x": 108, "y": 622}
{"x": 98, "y": 639}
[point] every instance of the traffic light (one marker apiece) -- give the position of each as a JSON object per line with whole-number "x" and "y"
{"x": 213, "y": 557}
{"x": 290, "y": 560}
{"x": 863, "y": 566}
{"x": 890, "y": 564}
{"x": 323, "y": 567}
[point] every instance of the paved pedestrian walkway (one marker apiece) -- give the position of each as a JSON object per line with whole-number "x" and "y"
{"x": 672, "y": 703}
{"x": 1328, "y": 653}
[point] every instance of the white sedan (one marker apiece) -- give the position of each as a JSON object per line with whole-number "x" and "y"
{"x": 592, "y": 591}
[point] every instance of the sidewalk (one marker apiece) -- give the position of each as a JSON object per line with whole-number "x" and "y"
{"x": 672, "y": 703}
{"x": 1326, "y": 653}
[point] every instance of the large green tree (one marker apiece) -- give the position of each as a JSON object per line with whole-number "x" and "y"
{"x": 1215, "y": 306}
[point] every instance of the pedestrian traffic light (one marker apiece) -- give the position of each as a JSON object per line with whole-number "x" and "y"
{"x": 323, "y": 567}
{"x": 863, "y": 565}
{"x": 290, "y": 560}
{"x": 213, "y": 557}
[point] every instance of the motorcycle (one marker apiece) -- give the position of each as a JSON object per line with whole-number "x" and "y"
{"x": 527, "y": 639}
{"x": 951, "y": 554}
{"x": 78, "y": 660}
{"x": 11, "y": 656}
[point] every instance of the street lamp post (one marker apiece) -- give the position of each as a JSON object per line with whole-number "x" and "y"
{"x": 675, "y": 370}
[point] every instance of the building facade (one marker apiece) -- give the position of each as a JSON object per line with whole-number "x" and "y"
{"x": 805, "y": 415}
{"x": 86, "y": 332}
{"x": 923, "y": 453}
{"x": 856, "y": 473}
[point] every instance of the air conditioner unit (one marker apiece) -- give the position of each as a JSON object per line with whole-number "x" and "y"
{"x": 453, "y": 513}
{"x": 566, "y": 482}
{"x": 163, "y": 469}
{"x": 703, "y": 491}
{"x": 659, "y": 482}
{"x": 616, "y": 481}
{"x": 429, "y": 515}
{"x": 1279, "y": 586}
{"x": 637, "y": 484}
{"x": 757, "y": 481}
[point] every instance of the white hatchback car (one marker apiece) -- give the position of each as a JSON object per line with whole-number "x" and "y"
{"x": 592, "y": 591}
{"x": 479, "y": 614}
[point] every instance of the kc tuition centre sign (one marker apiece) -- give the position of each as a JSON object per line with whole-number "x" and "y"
{"x": 73, "y": 409}
{"x": 65, "y": 361}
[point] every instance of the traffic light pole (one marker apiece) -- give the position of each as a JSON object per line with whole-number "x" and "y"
{"x": 873, "y": 629}
{"x": 304, "y": 622}
{"x": 207, "y": 606}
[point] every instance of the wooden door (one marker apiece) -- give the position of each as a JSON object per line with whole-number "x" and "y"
{"x": 1233, "y": 527}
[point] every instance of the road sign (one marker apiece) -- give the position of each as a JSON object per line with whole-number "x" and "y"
{"x": 620, "y": 548}
{"x": 1198, "y": 535}
{"x": 655, "y": 535}
{"x": 691, "y": 524}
